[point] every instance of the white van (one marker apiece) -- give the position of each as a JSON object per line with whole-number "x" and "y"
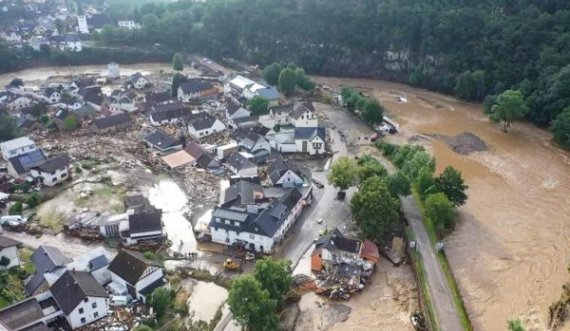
{"x": 119, "y": 300}
{"x": 11, "y": 219}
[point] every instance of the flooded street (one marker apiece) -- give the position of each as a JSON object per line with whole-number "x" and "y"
{"x": 168, "y": 196}
{"x": 511, "y": 249}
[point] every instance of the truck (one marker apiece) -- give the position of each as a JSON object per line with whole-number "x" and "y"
{"x": 232, "y": 265}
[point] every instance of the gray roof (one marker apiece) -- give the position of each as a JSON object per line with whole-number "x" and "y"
{"x": 229, "y": 214}
{"x": 282, "y": 109}
{"x": 74, "y": 286}
{"x": 48, "y": 258}
{"x": 16, "y": 143}
{"x": 241, "y": 193}
{"x": 195, "y": 86}
{"x": 158, "y": 97}
{"x": 239, "y": 162}
{"x": 145, "y": 222}
{"x": 299, "y": 109}
{"x": 136, "y": 76}
{"x": 310, "y": 133}
{"x": 161, "y": 140}
{"x": 270, "y": 93}
{"x": 233, "y": 108}
{"x": 23, "y": 163}
{"x": 6, "y": 242}
{"x": 111, "y": 121}
{"x": 277, "y": 169}
{"x": 169, "y": 111}
{"x": 130, "y": 265}
{"x": 335, "y": 240}
{"x": 201, "y": 120}
{"x": 59, "y": 162}
{"x": 21, "y": 314}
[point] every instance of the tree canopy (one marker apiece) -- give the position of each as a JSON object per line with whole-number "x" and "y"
{"x": 452, "y": 185}
{"x": 274, "y": 276}
{"x": 509, "y": 107}
{"x": 251, "y": 305}
{"x": 271, "y": 73}
{"x": 515, "y": 325}
{"x": 561, "y": 128}
{"x": 374, "y": 209}
{"x": 177, "y": 62}
{"x": 8, "y": 127}
{"x": 372, "y": 112}
{"x": 177, "y": 79}
{"x": 258, "y": 105}
{"x": 160, "y": 300}
{"x": 287, "y": 81}
{"x": 343, "y": 173}
{"x": 70, "y": 123}
{"x": 440, "y": 211}
{"x": 398, "y": 184}
{"x": 368, "y": 167}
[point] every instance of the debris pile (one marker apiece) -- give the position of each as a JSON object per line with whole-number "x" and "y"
{"x": 121, "y": 319}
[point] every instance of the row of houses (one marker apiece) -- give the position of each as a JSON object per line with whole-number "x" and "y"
{"x": 75, "y": 293}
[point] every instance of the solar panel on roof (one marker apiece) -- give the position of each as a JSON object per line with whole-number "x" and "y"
{"x": 32, "y": 159}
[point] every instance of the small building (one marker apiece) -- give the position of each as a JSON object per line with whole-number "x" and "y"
{"x": 134, "y": 273}
{"x": 178, "y": 159}
{"x": 162, "y": 142}
{"x": 204, "y": 159}
{"x": 51, "y": 95}
{"x": 82, "y": 26}
{"x": 128, "y": 24}
{"x": 17, "y": 147}
{"x": 158, "y": 98}
{"x": 9, "y": 252}
{"x": 139, "y": 81}
{"x": 203, "y": 124}
{"x": 240, "y": 165}
{"x": 303, "y": 115}
{"x": 168, "y": 113}
{"x": 96, "y": 262}
{"x": 81, "y": 298}
{"x": 281, "y": 174}
{"x": 112, "y": 123}
{"x": 16, "y": 101}
{"x": 235, "y": 111}
{"x": 113, "y": 70}
{"x": 53, "y": 171}
{"x": 71, "y": 42}
{"x": 333, "y": 249}
{"x": 19, "y": 166}
{"x": 310, "y": 140}
{"x": 195, "y": 89}
{"x": 46, "y": 260}
{"x": 142, "y": 226}
{"x": 28, "y": 315}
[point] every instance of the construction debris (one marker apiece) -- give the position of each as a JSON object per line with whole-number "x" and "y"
{"x": 122, "y": 318}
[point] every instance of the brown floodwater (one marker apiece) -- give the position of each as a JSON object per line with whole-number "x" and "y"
{"x": 511, "y": 249}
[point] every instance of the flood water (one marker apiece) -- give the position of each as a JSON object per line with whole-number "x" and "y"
{"x": 511, "y": 250}
{"x": 205, "y": 300}
{"x": 169, "y": 197}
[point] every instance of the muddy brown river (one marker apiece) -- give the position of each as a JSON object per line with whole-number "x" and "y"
{"x": 511, "y": 250}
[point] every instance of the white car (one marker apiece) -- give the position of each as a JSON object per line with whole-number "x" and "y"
{"x": 320, "y": 221}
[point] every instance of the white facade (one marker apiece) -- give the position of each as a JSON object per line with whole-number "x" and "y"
{"x": 129, "y": 24}
{"x": 19, "y": 102}
{"x": 240, "y": 113}
{"x": 88, "y": 312}
{"x": 272, "y": 119}
{"x": 218, "y": 126}
{"x": 82, "y": 26}
{"x": 11, "y": 253}
{"x": 113, "y": 70}
{"x": 51, "y": 179}
{"x": 12, "y": 37}
{"x": 151, "y": 275}
{"x": 53, "y": 98}
{"x": 17, "y": 147}
{"x": 228, "y": 237}
{"x": 307, "y": 119}
{"x": 140, "y": 83}
{"x": 73, "y": 46}
{"x": 289, "y": 179}
{"x": 311, "y": 147}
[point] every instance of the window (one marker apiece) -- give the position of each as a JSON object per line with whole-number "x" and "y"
{"x": 86, "y": 299}
{"x": 228, "y": 222}
{"x": 64, "y": 175}
{"x": 251, "y": 236}
{"x": 82, "y": 320}
{"x": 94, "y": 305}
{"x": 236, "y": 223}
{"x": 81, "y": 310}
{"x": 96, "y": 315}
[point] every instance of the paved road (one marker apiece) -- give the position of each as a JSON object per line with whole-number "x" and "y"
{"x": 441, "y": 296}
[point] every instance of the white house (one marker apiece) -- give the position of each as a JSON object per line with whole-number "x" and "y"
{"x": 16, "y": 101}
{"x": 139, "y": 81}
{"x": 303, "y": 116}
{"x": 240, "y": 165}
{"x": 96, "y": 262}
{"x": 235, "y": 111}
{"x": 203, "y": 124}
{"x": 141, "y": 226}
{"x": 237, "y": 85}
{"x": 71, "y": 42}
{"x": 128, "y": 24}
{"x": 81, "y": 298}
{"x": 113, "y": 70}
{"x": 257, "y": 228}
{"x": 82, "y": 26}
{"x": 169, "y": 113}
{"x": 278, "y": 115}
{"x": 17, "y": 147}
{"x": 310, "y": 140}
{"x": 135, "y": 275}
{"x": 52, "y": 171}
{"x": 9, "y": 252}
{"x": 36, "y": 42}
{"x": 51, "y": 95}
{"x": 195, "y": 89}
{"x": 253, "y": 142}
{"x": 281, "y": 174}
{"x": 12, "y": 36}
{"x": 283, "y": 141}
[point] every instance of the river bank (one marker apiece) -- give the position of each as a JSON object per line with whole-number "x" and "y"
{"x": 512, "y": 246}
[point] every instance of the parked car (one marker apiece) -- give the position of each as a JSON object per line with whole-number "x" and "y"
{"x": 12, "y": 220}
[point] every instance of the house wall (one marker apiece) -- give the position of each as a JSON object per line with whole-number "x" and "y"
{"x": 288, "y": 223}
{"x": 228, "y": 237}
{"x": 290, "y": 179}
{"x": 19, "y": 103}
{"x": 284, "y": 148}
{"x": 142, "y": 235}
{"x": 53, "y": 98}
{"x": 12, "y": 172}
{"x": 11, "y": 253}
{"x": 146, "y": 281}
{"x": 261, "y": 144}
{"x": 307, "y": 120}
{"x": 312, "y": 146}
{"x": 241, "y": 113}
{"x": 218, "y": 126}
{"x": 89, "y": 313}
{"x": 54, "y": 178}
{"x": 139, "y": 84}
{"x": 10, "y": 153}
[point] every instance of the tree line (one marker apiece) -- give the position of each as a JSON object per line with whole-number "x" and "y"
{"x": 468, "y": 49}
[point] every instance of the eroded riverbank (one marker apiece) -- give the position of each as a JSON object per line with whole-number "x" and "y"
{"x": 511, "y": 249}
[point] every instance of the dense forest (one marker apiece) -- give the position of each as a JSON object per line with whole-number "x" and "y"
{"x": 472, "y": 49}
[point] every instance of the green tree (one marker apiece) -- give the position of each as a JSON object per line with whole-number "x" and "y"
{"x": 251, "y": 305}
{"x": 561, "y": 128}
{"x": 374, "y": 209}
{"x": 271, "y": 73}
{"x": 160, "y": 300}
{"x": 515, "y": 325}
{"x": 177, "y": 62}
{"x": 274, "y": 276}
{"x": 452, "y": 185}
{"x": 415, "y": 162}
{"x": 8, "y": 127}
{"x": 509, "y": 107}
{"x": 287, "y": 81}
{"x": 142, "y": 327}
{"x": 372, "y": 112}
{"x": 16, "y": 209}
{"x": 346, "y": 92}
{"x": 258, "y": 105}
{"x": 33, "y": 200}
{"x": 471, "y": 85}
{"x": 425, "y": 182}
{"x": 59, "y": 26}
{"x": 177, "y": 79}
{"x": 441, "y": 212}
{"x": 69, "y": 123}
{"x": 398, "y": 184}
{"x": 343, "y": 173}
{"x": 352, "y": 102}
{"x": 300, "y": 76}
{"x": 368, "y": 167}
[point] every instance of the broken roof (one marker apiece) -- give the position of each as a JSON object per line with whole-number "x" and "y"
{"x": 178, "y": 159}
{"x": 335, "y": 240}
{"x": 242, "y": 193}
{"x": 74, "y": 286}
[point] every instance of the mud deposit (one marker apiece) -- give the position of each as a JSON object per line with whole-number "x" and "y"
{"x": 464, "y": 144}
{"x": 511, "y": 249}
{"x": 317, "y": 314}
